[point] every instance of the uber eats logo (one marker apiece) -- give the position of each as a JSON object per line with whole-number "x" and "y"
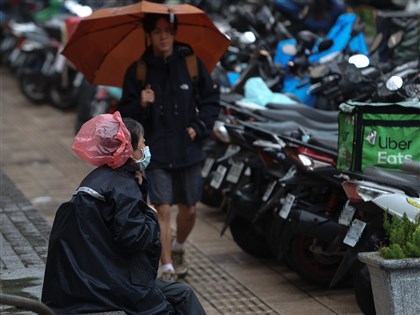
{"x": 391, "y": 149}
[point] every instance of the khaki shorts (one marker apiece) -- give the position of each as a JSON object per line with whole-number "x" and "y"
{"x": 182, "y": 186}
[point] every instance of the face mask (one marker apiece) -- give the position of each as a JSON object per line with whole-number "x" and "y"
{"x": 145, "y": 160}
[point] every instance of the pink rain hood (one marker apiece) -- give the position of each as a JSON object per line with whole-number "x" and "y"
{"x": 104, "y": 140}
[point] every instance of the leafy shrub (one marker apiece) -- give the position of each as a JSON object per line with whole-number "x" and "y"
{"x": 404, "y": 238}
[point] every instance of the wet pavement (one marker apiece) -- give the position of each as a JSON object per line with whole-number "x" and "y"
{"x": 39, "y": 171}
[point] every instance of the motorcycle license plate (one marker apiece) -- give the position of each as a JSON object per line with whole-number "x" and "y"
{"x": 346, "y": 215}
{"x": 269, "y": 190}
{"x": 354, "y": 232}
{"x": 7, "y": 44}
{"x": 21, "y": 59}
{"x": 14, "y": 55}
{"x": 218, "y": 177}
{"x": 59, "y": 63}
{"x": 235, "y": 172}
{"x": 208, "y": 164}
{"x": 287, "y": 206}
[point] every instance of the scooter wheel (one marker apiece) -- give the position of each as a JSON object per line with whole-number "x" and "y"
{"x": 32, "y": 89}
{"x": 316, "y": 268}
{"x": 211, "y": 197}
{"x": 249, "y": 238}
{"x": 61, "y": 98}
{"x": 363, "y": 289}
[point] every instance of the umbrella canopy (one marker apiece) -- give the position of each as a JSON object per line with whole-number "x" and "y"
{"x": 107, "y": 42}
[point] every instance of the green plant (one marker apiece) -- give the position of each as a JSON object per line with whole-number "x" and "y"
{"x": 404, "y": 238}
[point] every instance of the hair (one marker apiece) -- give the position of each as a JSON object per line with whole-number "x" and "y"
{"x": 150, "y": 20}
{"x": 135, "y": 129}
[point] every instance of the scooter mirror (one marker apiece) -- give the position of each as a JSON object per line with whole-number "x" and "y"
{"x": 289, "y": 49}
{"x": 394, "y": 83}
{"x": 359, "y": 60}
{"x": 377, "y": 40}
{"x": 394, "y": 39}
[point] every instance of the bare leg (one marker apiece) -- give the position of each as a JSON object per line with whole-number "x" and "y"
{"x": 184, "y": 222}
{"x": 164, "y": 217}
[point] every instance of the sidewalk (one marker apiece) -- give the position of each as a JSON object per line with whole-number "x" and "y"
{"x": 39, "y": 171}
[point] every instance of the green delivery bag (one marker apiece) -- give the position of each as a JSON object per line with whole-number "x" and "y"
{"x": 378, "y": 134}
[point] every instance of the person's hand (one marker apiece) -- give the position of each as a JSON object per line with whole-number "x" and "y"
{"x": 192, "y": 133}
{"x": 139, "y": 177}
{"x": 147, "y": 96}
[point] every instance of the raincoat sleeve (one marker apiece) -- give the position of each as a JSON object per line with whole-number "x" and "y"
{"x": 207, "y": 103}
{"x": 135, "y": 226}
{"x": 129, "y": 105}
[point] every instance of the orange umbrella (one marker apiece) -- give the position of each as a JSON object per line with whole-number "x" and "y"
{"x": 107, "y": 42}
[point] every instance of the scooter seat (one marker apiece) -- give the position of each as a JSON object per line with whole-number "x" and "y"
{"x": 308, "y": 112}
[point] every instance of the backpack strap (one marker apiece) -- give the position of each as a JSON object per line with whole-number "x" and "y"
{"x": 191, "y": 61}
{"x": 141, "y": 71}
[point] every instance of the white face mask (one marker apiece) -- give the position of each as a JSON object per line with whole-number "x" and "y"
{"x": 145, "y": 160}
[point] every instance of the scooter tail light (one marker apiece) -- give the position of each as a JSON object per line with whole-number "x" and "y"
{"x": 20, "y": 41}
{"x": 351, "y": 191}
{"x": 361, "y": 193}
{"x": 29, "y": 45}
{"x": 309, "y": 159}
{"x": 311, "y": 163}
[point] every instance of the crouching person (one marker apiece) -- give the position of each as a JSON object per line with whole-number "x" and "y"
{"x": 104, "y": 247}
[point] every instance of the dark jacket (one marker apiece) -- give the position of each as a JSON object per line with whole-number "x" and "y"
{"x": 104, "y": 248}
{"x": 175, "y": 108}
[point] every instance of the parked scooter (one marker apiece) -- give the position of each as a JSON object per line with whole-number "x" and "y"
{"x": 95, "y": 100}
{"x": 223, "y": 147}
{"x": 373, "y": 194}
{"x": 278, "y": 212}
{"x": 220, "y": 149}
{"x": 43, "y": 73}
{"x": 299, "y": 56}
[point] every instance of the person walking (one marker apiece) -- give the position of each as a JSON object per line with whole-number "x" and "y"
{"x": 178, "y": 111}
{"x": 104, "y": 246}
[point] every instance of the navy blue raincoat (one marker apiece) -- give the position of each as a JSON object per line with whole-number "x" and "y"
{"x": 104, "y": 248}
